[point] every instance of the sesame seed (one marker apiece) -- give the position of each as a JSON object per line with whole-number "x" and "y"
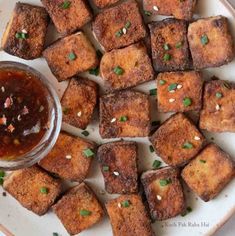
{"x": 124, "y": 30}
{"x": 217, "y": 107}
{"x": 196, "y": 138}
{"x": 155, "y": 8}
{"x": 116, "y": 173}
{"x": 159, "y": 197}
{"x": 171, "y": 100}
{"x": 79, "y": 114}
{"x": 41, "y": 108}
{"x": 19, "y": 117}
{"x": 68, "y": 157}
{"x": 113, "y": 120}
{"x": 24, "y": 31}
{"x": 3, "y": 89}
{"x": 179, "y": 86}
{"x": 172, "y": 91}
{"x": 119, "y": 205}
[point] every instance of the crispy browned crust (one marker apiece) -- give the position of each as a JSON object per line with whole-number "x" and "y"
{"x": 171, "y": 202}
{"x": 131, "y": 104}
{"x": 68, "y": 208}
{"x": 34, "y": 20}
{"x": 170, "y": 32}
{"x": 179, "y": 9}
{"x": 169, "y": 139}
{"x": 191, "y": 82}
{"x": 81, "y": 96}
{"x": 110, "y": 21}
{"x": 25, "y": 184}
{"x": 104, "y": 3}
{"x": 120, "y": 157}
{"x": 209, "y": 172}
{"x": 129, "y": 221}
{"x": 218, "y": 33}
{"x": 222, "y": 120}
{"x": 57, "y": 161}
{"x": 57, "y": 56}
{"x": 135, "y": 62}
{"x": 68, "y": 20}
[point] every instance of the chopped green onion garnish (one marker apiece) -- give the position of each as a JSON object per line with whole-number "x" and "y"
{"x": 44, "y": 190}
{"x": 1, "y": 181}
{"x": 151, "y": 149}
{"x": 84, "y": 212}
{"x": 2, "y": 173}
{"x": 166, "y": 47}
{"x": 204, "y": 39}
{"x": 125, "y": 203}
{"x": 118, "y": 70}
{"x": 123, "y": 118}
{"x": 88, "y": 152}
{"x": 203, "y": 161}
{"x": 162, "y": 82}
{"x": 153, "y": 92}
{"x": 119, "y": 33}
{"x": 65, "y": 5}
{"x": 72, "y": 56}
{"x": 187, "y": 102}
{"x": 167, "y": 57}
{"x": 219, "y": 95}
{"x": 164, "y": 182}
{"x": 187, "y": 145}
{"x": 85, "y": 133}
{"x": 94, "y": 71}
{"x": 172, "y": 87}
{"x": 105, "y": 168}
{"x": 128, "y": 25}
{"x": 21, "y": 35}
{"x": 147, "y": 13}
{"x": 55, "y": 234}
{"x": 179, "y": 44}
{"x": 156, "y": 164}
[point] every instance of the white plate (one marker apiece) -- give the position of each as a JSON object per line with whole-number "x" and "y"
{"x": 205, "y": 217}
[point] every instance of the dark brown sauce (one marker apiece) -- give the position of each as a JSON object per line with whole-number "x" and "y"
{"x": 23, "y": 112}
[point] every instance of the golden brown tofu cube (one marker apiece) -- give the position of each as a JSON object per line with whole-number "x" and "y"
{"x": 128, "y": 216}
{"x": 126, "y": 67}
{"x": 170, "y": 50}
{"x": 68, "y": 16}
{"x": 209, "y": 172}
{"x": 177, "y": 140}
{"x": 78, "y": 209}
{"x": 68, "y": 157}
{"x": 104, "y": 3}
{"x": 210, "y": 42}
{"x": 79, "y": 101}
{"x": 118, "y": 162}
{"x": 179, "y": 9}
{"x": 179, "y": 91}
{"x": 218, "y": 114}
{"x": 119, "y": 26}
{"x": 124, "y": 114}
{"x": 164, "y": 193}
{"x": 71, "y": 55}
{"x": 33, "y": 188}
{"x": 25, "y": 34}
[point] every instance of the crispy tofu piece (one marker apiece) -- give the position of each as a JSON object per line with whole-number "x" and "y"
{"x": 209, "y": 172}
{"x": 134, "y": 62}
{"x": 25, "y": 33}
{"x": 179, "y": 91}
{"x": 179, "y": 9}
{"x": 164, "y": 193}
{"x": 177, "y": 140}
{"x": 33, "y": 188}
{"x": 128, "y": 216}
{"x": 71, "y": 55}
{"x": 118, "y": 162}
{"x": 218, "y": 114}
{"x": 104, "y": 3}
{"x": 124, "y": 114}
{"x": 68, "y": 16}
{"x": 170, "y": 50}
{"x": 67, "y": 159}
{"x": 78, "y": 209}
{"x": 206, "y": 35}
{"x": 79, "y": 101}
{"x": 119, "y": 26}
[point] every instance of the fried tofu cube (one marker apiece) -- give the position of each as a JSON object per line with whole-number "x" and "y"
{"x": 206, "y": 35}
{"x": 71, "y": 55}
{"x": 124, "y": 114}
{"x": 25, "y": 33}
{"x": 33, "y": 188}
{"x": 179, "y": 9}
{"x": 119, "y": 26}
{"x": 179, "y": 91}
{"x": 78, "y": 209}
{"x": 209, "y": 172}
{"x": 170, "y": 50}
{"x": 68, "y": 158}
{"x": 118, "y": 162}
{"x": 128, "y": 216}
{"x": 177, "y": 140}
{"x": 79, "y": 101}
{"x": 164, "y": 193}
{"x": 218, "y": 114}
{"x": 126, "y": 67}
{"x": 104, "y": 3}
{"x": 68, "y": 16}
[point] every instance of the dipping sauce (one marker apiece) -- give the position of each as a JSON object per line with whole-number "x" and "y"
{"x": 23, "y": 112}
